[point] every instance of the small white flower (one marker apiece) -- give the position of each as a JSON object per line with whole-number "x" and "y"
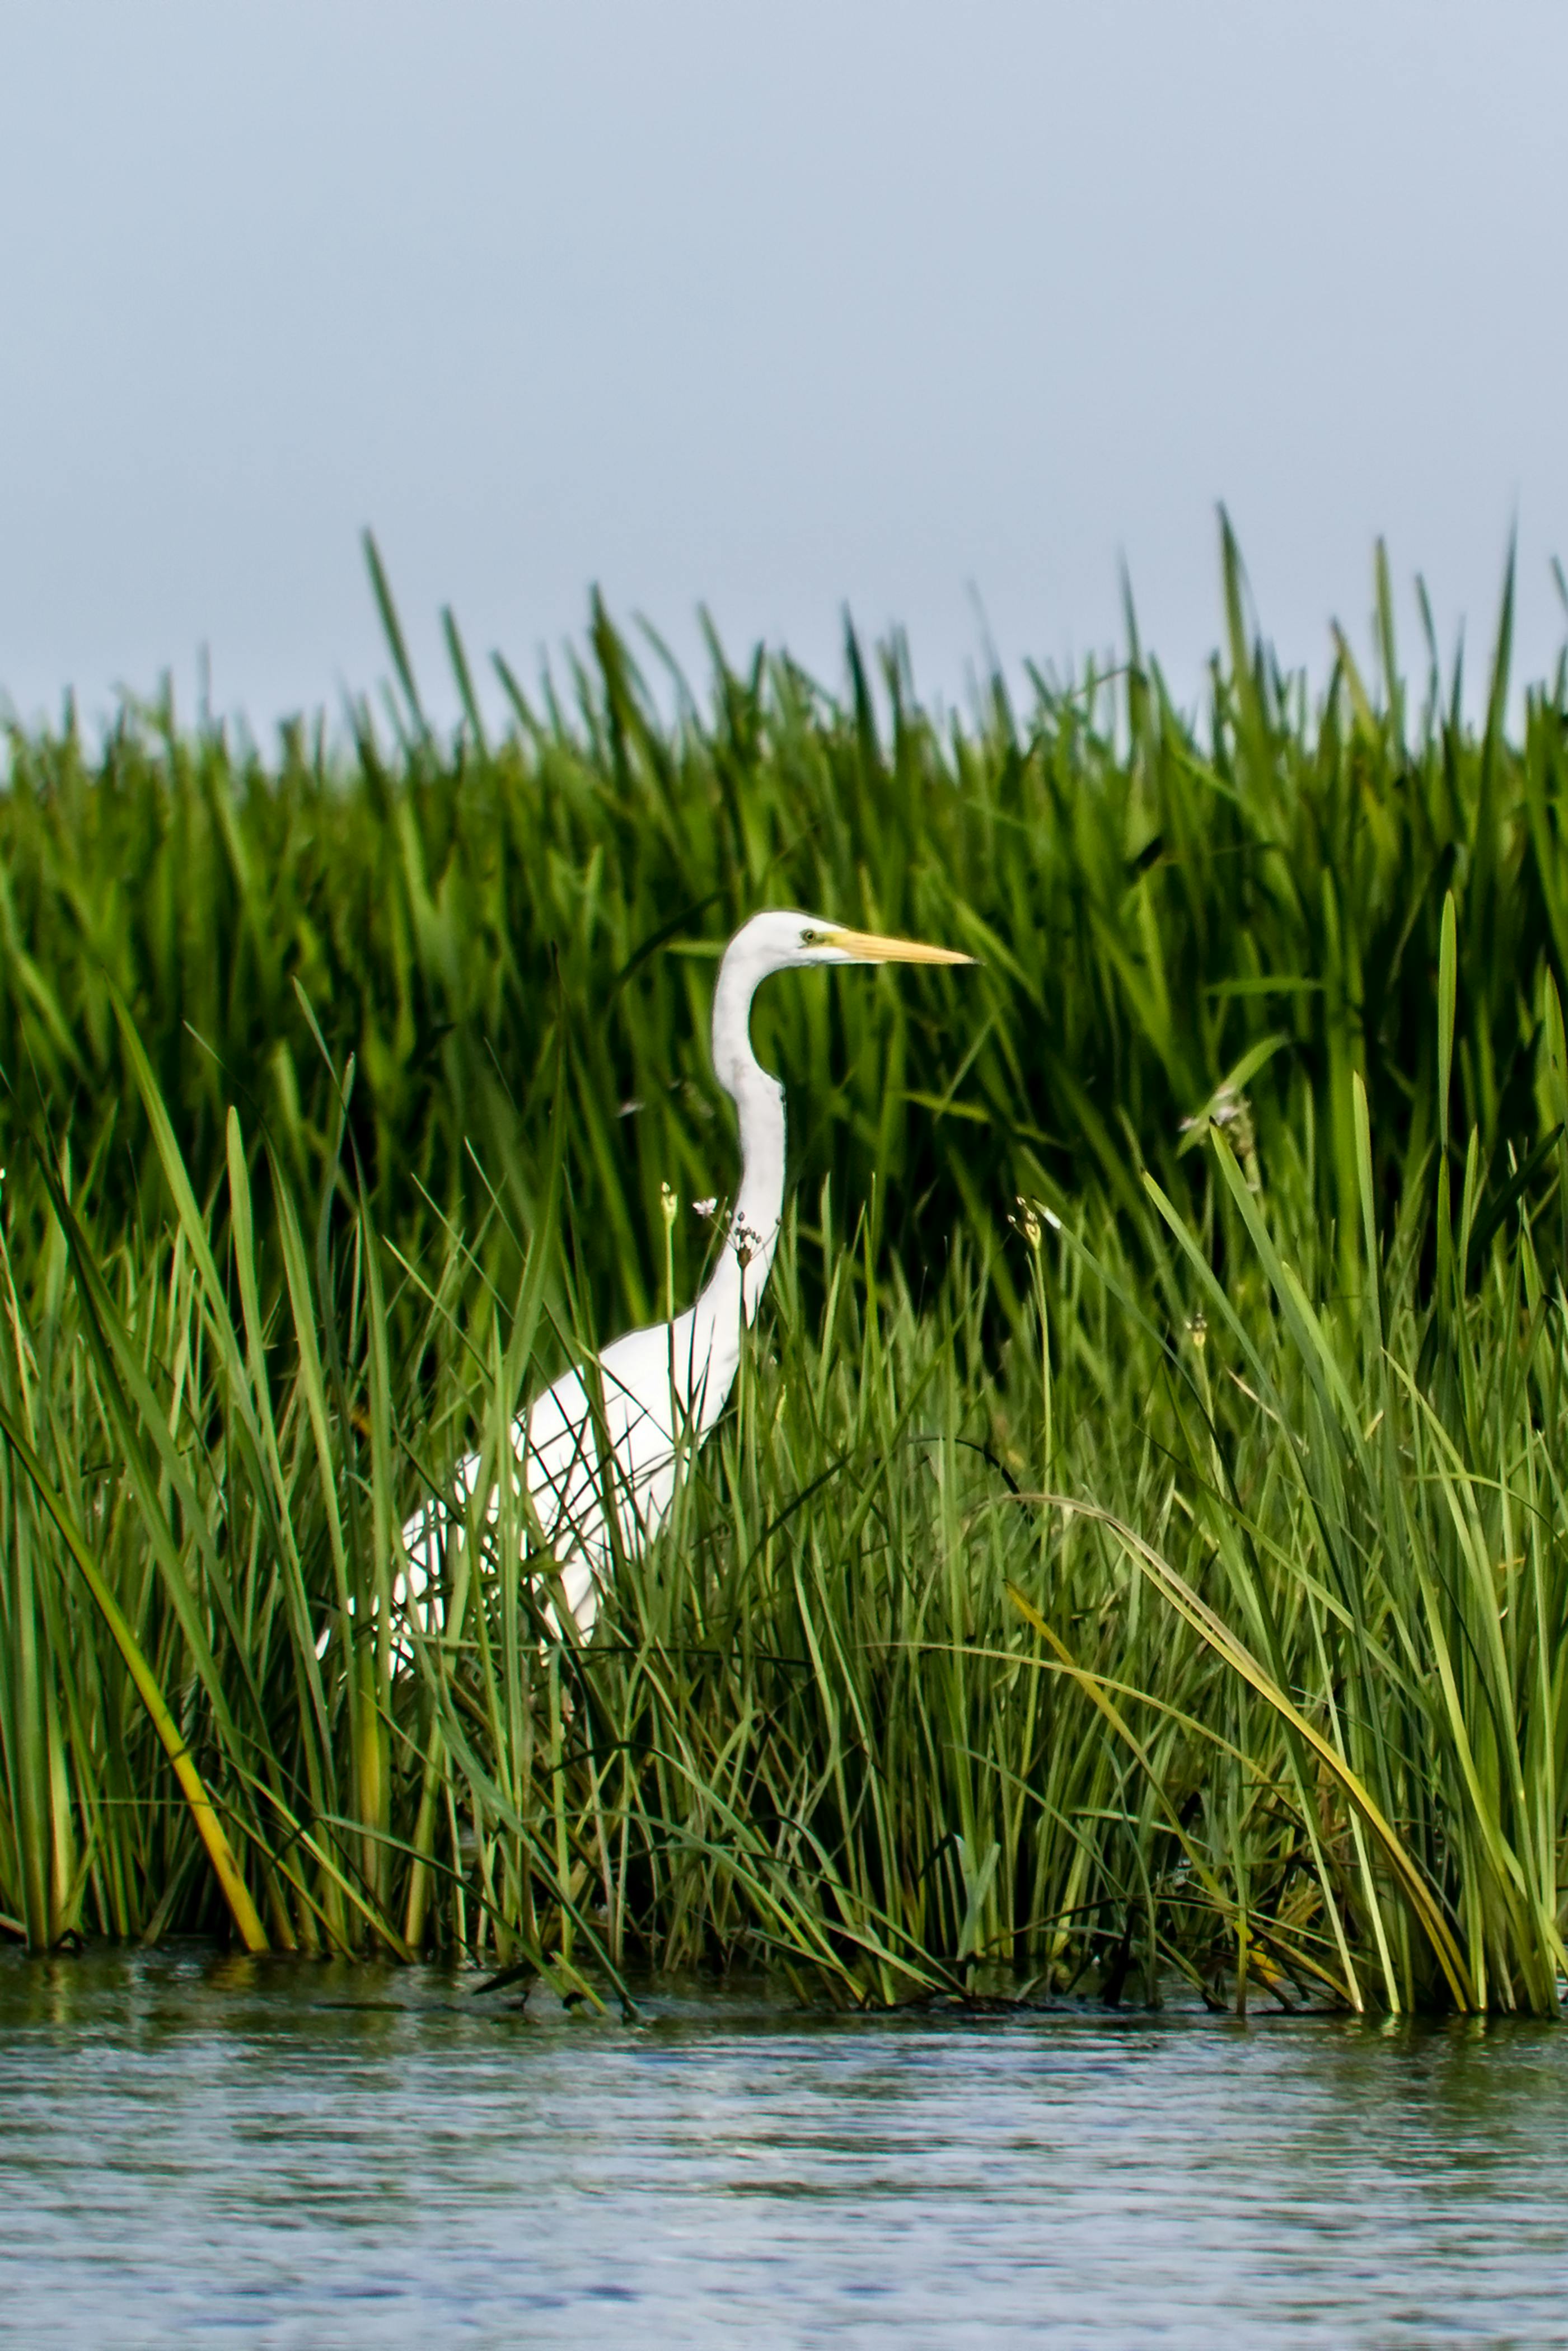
{"x": 703, "y": 1208}
{"x": 1027, "y": 1220}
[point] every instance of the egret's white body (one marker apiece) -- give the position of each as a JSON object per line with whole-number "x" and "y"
{"x": 661, "y": 1388}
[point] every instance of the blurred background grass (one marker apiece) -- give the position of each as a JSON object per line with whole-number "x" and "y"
{"x": 1154, "y": 906}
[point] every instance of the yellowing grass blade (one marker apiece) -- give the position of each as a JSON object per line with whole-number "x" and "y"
{"x": 209, "y": 1828}
{"x": 1212, "y": 1628}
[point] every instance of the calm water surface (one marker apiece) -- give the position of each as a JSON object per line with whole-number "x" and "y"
{"x": 203, "y": 2151}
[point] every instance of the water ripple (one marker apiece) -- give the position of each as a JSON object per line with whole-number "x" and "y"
{"x": 202, "y": 2151}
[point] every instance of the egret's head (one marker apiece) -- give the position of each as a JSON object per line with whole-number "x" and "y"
{"x": 783, "y": 940}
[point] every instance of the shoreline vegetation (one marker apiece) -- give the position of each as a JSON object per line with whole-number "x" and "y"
{"x": 1137, "y": 1545}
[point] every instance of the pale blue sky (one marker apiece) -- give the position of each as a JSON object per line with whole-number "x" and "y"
{"x": 884, "y": 301}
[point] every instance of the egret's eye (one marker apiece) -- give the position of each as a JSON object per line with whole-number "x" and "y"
{"x": 812, "y": 938}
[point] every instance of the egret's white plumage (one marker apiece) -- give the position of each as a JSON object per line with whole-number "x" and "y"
{"x": 664, "y": 1388}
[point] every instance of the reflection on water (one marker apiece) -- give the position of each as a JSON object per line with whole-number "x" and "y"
{"x": 210, "y": 2151}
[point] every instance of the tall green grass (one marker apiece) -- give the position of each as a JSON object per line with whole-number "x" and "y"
{"x": 1157, "y": 905}
{"x": 1136, "y": 1543}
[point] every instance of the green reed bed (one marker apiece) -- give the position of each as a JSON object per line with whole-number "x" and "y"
{"x": 1137, "y": 1545}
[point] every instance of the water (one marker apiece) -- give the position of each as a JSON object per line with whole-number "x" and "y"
{"x": 204, "y": 2151}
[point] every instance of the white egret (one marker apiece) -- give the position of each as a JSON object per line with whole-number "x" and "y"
{"x": 664, "y": 1388}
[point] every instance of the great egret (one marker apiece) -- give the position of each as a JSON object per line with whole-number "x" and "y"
{"x": 664, "y": 1388}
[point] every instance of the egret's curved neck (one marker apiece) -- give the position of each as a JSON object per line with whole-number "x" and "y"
{"x": 753, "y": 1235}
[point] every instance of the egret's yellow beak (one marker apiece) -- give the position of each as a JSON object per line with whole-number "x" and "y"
{"x": 866, "y": 946}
